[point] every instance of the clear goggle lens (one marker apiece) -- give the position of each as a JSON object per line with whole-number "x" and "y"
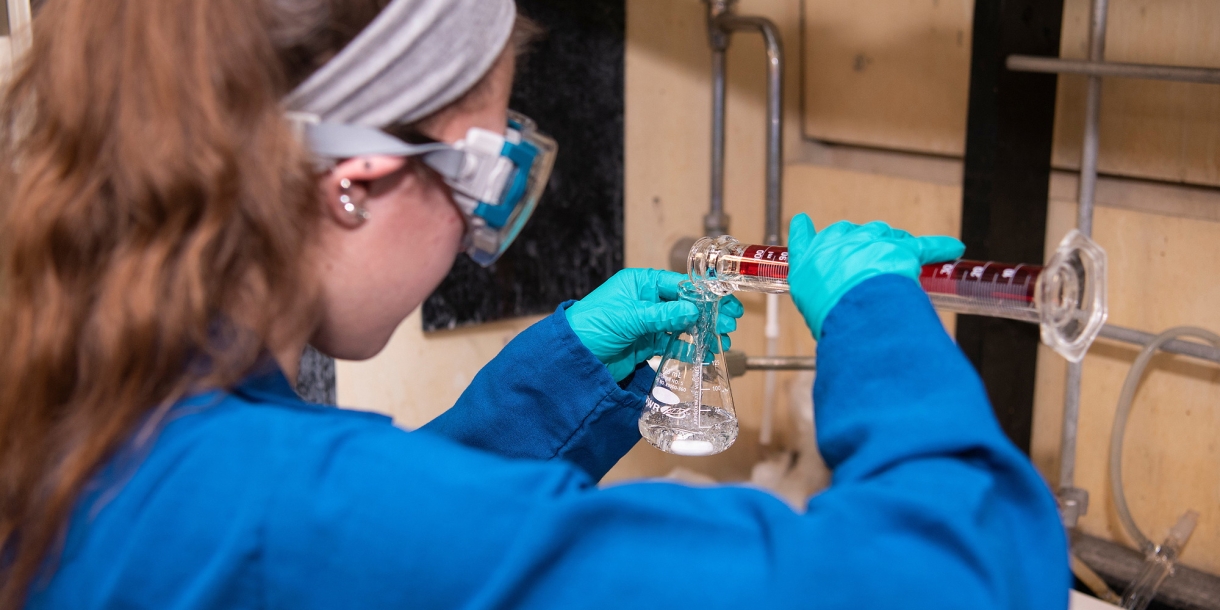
{"x": 492, "y": 228}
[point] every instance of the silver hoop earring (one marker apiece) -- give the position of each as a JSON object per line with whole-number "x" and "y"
{"x": 349, "y": 206}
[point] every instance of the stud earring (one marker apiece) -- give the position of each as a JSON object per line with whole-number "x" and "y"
{"x": 349, "y": 205}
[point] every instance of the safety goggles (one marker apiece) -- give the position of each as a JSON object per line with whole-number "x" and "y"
{"x": 496, "y": 179}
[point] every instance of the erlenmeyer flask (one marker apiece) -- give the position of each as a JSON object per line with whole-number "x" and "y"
{"x": 690, "y": 408}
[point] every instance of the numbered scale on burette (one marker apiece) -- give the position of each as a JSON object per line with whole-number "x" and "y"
{"x": 1066, "y": 297}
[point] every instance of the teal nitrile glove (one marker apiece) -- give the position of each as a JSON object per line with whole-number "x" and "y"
{"x": 824, "y": 266}
{"x": 628, "y": 319}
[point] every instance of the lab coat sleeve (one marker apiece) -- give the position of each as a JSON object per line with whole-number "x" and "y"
{"x": 930, "y": 500}
{"x": 931, "y": 507}
{"x": 547, "y": 396}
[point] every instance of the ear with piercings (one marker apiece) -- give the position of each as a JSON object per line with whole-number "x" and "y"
{"x": 349, "y": 183}
{"x": 349, "y": 200}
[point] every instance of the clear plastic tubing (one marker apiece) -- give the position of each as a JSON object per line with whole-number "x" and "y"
{"x": 1066, "y": 297}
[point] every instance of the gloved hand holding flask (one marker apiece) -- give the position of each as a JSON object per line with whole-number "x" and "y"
{"x": 627, "y": 320}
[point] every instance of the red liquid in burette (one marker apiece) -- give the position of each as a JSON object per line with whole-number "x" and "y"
{"x": 764, "y": 261}
{"x": 982, "y": 280}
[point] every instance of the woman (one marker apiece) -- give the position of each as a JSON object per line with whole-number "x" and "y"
{"x": 170, "y": 244}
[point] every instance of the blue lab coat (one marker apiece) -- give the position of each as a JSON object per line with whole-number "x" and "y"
{"x": 255, "y": 499}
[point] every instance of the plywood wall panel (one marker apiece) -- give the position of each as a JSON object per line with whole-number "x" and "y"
{"x": 893, "y": 75}
{"x": 1150, "y": 129}
{"x": 419, "y": 375}
{"x": 829, "y": 195}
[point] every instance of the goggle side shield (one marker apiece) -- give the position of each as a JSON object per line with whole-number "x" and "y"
{"x": 493, "y": 228}
{"x": 495, "y": 216}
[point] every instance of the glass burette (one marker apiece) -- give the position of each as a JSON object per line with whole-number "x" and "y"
{"x": 1066, "y": 298}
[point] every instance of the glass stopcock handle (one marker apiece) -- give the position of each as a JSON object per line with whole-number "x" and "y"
{"x": 1066, "y": 298}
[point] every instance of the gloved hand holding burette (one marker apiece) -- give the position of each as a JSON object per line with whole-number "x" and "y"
{"x": 825, "y": 265}
{"x": 684, "y": 411}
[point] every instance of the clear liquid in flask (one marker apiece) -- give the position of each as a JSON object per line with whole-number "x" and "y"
{"x": 689, "y": 410}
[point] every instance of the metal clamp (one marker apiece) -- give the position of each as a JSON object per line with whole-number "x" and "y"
{"x": 1073, "y": 504}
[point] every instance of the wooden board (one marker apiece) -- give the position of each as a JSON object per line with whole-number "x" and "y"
{"x": 894, "y": 74}
{"x": 1151, "y": 129}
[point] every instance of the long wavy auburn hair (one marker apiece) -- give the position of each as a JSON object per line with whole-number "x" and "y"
{"x": 155, "y": 211}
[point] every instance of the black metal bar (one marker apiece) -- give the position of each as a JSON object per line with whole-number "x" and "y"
{"x": 1185, "y": 589}
{"x": 1006, "y": 186}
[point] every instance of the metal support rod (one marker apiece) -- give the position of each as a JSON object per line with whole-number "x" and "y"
{"x": 1092, "y": 121}
{"x": 1053, "y": 65}
{"x": 781, "y": 363}
{"x": 1067, "y": 441}
{"x": 1177, "y": 346}
{"x": 1075, "y": 502}
{"x": 739, "y": 363}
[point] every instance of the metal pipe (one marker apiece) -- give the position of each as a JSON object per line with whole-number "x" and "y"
{"x": 717, "y": 222}
{"x": 1054, "y": 65}
{"x": 729, "y": 22}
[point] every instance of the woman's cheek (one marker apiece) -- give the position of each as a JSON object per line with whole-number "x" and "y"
{"x": 454, "y": 223}
{"x": 457, "y": 225}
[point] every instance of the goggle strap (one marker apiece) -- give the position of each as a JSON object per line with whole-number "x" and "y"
{"x": 340, "y": 141}
{"x": 446, "y": 161}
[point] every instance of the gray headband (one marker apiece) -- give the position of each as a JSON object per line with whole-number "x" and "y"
{"x": 412, "y": 60}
